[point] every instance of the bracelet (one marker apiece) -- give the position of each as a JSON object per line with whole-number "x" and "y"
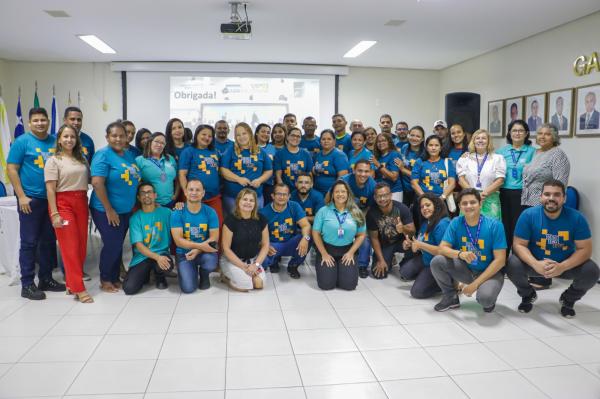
{"x": 54, "y": 214}
{"x": 458, "y": 256}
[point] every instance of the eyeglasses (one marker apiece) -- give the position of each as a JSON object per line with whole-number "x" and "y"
{"x": 520, "y": 131}
{"x": 383, "y": 196}
{"x": 402, "y": 129}
{"x": 145, "y": 193}
{"x": 294, "y": 136}
{"x": 159, "y": 142}
{"x": 280, "y": 194}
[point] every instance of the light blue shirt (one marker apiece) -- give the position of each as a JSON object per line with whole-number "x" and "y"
{"x": 161, "y": 174}
{"x": 327, "y": 223}
{"x": 522, "y": 156}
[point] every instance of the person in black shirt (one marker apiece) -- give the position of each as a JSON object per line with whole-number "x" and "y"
{"x": 245, "y": 244}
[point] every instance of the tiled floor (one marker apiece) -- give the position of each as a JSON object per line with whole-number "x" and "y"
{"x": 291, "y": 341}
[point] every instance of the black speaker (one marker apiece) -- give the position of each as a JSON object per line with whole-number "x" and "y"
{"x": 463, "y": 108}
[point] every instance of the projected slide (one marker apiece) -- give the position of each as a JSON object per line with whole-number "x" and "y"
{"x": 254, "y": 100}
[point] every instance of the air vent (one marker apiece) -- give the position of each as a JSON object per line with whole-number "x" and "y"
{"x": 394, "y": 22}
{"x": 57, "y": 13}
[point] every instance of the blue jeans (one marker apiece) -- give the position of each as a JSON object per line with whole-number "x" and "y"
{"x": 364, "y": 253}
{"x": 188, "y": 269}
{"x": 38, "y": 242}
{"x": 286, "y": 248}
{"x": 229, "y": 203}
{"x": 111, "y": 254}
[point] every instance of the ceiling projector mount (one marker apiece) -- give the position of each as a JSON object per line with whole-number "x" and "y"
{"x": 239, "y": 28}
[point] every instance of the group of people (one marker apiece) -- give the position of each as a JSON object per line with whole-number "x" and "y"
{"x": 198, "y": 202}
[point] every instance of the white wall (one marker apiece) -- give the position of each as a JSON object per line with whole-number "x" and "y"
{"x": 405, "y": 94}
{"x": 539, "y": 64}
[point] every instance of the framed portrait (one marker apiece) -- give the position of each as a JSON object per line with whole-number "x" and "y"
{"x": 496, "y": 118}
{"x": 513, "y": 110}
{"x": 587, "y": 116}
{"x": 560, "y": 111}
{"x": 535, "y": 111}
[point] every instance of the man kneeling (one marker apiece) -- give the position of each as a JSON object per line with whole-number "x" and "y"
{"x": 473, "y": 251}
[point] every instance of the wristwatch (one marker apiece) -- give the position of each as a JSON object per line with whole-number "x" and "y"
{"x": 306, "y": 237}
{"x": 443, "y": 197}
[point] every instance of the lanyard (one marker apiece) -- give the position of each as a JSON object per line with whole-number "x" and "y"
{"x": 160, "y": 165}
{"x": 476, "y": 240}
{"x": 480, "y": 168}
{"x": 515, "y": 160}
{"x": 340, "y": 218}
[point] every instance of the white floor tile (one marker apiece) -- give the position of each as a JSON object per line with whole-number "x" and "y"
{"x": 149, "y": 306}
{"x": 63, "y": 348}
{"x": 13, "y": 348}
{"x": 395, "y": 364}
{"x": 262, "y": 372}
{"x": 322, "y": 341}
{"x": 129, "y": 347}
{"x": 50, "y": 379}
{"x": 270, "y": 393}
{"x": 424, "y": 388}
{"x": 180, "y": 346}
{"x": 4, "y": 367}
{"x": 258, "y": 343}
{"x": 198, "y": 323}
{"x": 186, "y": 395}
{"x": 417, "y": 314}
{"x": 295, "y": 302}
{"x": 10, "y": 305}
{"x": 581, "y": 349}
{"x": 104, "y": 303}
{"x": 253, "y": 303}
{"x": 214, "y": 301}
{"x": 540, "y": 323}
{"x": 594, "y": 368}
{"x": 108, "y": 377}
{"x": 310, "y": 319}
{"x": 334, "y": 368}
{"x": 436, "y": 334}
{"x": 587, "y": 321}
{"x": 565, "y": 382}
{"x": 111, "y": 396}
{"x": 466, "y": 359}
{"x": 530, "y": 353}
{"x": 24, "y": 325}
{"x": 83, "y": 325}
{"x": 48, "y": 307}
{"x": 382, "y": 337}
{"x": 371, "y": 390}
{"x": 255, "y": 321}
{"x": 493, "y": 327}
{"x": 141, "y": 324}
{"x": 172, "y": 375}
{"x": 352, "y": 299}
{"x": 498, "y": 385}
{"x": 377, "y": 316}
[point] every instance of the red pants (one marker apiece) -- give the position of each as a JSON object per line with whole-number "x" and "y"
{"x": 72, "y": 238}
{"x": 216, "y": 204}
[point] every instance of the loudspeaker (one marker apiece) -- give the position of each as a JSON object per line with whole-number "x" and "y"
{"x": 463, "y": 108}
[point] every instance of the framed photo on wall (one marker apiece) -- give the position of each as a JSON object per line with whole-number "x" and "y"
{"x": 535, "y": 111}
{"x": 496, "y": 118}
{"x": 587, "y": 114}
{"x": 560, "y": 111}
{"x": 513, "y": 110}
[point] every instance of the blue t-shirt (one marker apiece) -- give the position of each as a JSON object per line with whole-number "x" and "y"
{"x": 87, "y": 146}
{"x": 196, "y": 226}
{"x": 362, "y": 195}
{"x": 432, "y": 175}
{"x": 515, "y": 162}
{"x": 222, "y": 148}
{"x": 248, "y": 165}
{"x": 31, "y": 153}
{"x": 327, "y": 222}
{"x": 313, "y": 146}
{"x": 491, "y": 237}
{"x": 202, "y": 164}
{"x": 434, "y": 237}
{"x": 292, "y": 164}
{"x": 180, "y": 150}
{"x": 400, "y": 145}
{"x": 455, "y": 154}
{"x": 314, "y": 201}
{"x": 409, "y": 158}
{"x": 552, "y": 238}
{"x": 271, "y": 151}
{"x": 344, "y": 143}
{"x": 363, "y": 154}
{"x": 388, "y": 161}
{"x": 327, "y": 167}
{"x": 161, "y": 174}
{"x": 122, "y": 177}
{"x": 283, "y": 225}
{"x": 133, "y": 151}
{"x": 153, "y": 229}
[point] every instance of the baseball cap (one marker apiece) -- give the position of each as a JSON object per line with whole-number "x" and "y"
{"x": 440, "y": 123}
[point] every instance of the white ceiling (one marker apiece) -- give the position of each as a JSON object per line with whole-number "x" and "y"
{"x": 436, "y": 34}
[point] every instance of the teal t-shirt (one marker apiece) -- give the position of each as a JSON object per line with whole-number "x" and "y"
{"x": 196, "y": 226}
{"x": 327, "y": 222}
{"x": 31, "y": 153}
{"x": 515, "y": 162}
{"x": 153, "y": 229}
{"x": 434, "y": 237}
{"x": 161, "y": 174}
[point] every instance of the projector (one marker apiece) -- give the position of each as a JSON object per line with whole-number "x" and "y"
{"x": 236, "y": 30}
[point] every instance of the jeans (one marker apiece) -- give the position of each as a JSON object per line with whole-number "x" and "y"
{"x": 339, "y": 275}
{"x": 287, "y": 248}
{"x": 111, "y": 254}
{"x": 188, "y": 269}
{"x": 425, "y": 285}
{"x": 364, "y": 253}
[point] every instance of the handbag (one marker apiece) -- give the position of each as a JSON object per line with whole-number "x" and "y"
{"x": 450, "y": 198}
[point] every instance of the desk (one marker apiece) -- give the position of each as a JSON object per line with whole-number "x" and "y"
{"x": 9, "y": 239}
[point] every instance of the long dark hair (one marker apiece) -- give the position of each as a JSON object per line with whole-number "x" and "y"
{"x": 138, "y": 138}
{"x": 449, "y": 144}
{"x": 421, "y": 146}
{"x": 257, "y": 129}
{"x": 77, "y": 150}
{"x": 390, "y": 141}
{"x": 169, "y": 135}
{"x": 425, "y": 155}
{"x": 211, "y": 146}
{"x": 439, "y": 210}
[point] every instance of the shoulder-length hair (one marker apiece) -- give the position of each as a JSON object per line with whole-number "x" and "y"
{"x": 439, "y": 210}
{"x": 425, "y": 155}
{"x": 390, "y": 142}
{"x": 138, "y": 138}
{"x": 418, "y": 128}
{"x": 350, "y": 204}
{"x": 449, "y": 145}
{"x": 525, "y": 126}
{"x": 490, "y": 145}
{"x": 77, "y": 150}
{"x": 282, "y": 127}
{"x": 246, "y": 191}
{"x": 211, "y": 146}
{"x": 257, "y": 129}
{"x": 253, "y": 146}
{"x": 149, "y": 145}
{"x": 169, "y": 135}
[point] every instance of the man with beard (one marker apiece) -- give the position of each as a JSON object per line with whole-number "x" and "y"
{"x": 310, "y": 200}
{"x": 552, "y": 240}
{"x": 309, "y": 141}
{"x": 440, "y": 129}
{"x": 385, "y": 124}
{"x": 289, "y": 120}
{"x": 401, "y": 137}
{"x": 73, "y": 117}
{"x": 222, "y": 142}
{"x": 343, "y": 142}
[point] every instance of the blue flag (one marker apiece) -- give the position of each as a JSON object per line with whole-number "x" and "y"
{"x": 54, "y": 116}
{"x": 19, "y": 128}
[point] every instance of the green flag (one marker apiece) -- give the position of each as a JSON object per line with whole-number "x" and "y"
{"x": 36, "y": 101}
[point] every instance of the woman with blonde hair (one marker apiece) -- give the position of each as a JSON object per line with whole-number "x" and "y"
{"x": 244, "y": 165}
{"x": 338, "y": 231}
{"x": 245, "y": 244}
{"x": 483, "y": 170}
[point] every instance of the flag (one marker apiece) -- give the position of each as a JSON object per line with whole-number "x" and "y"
{"x": 4, "y": 141}
{"x": 54, "y": 116}
{"x": 36, "y": 100}
{"x": 19, "y": 128}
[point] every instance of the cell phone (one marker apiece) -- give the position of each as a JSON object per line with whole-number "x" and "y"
{"x": 213, "y": 244}
{"x": 65, "y": 223}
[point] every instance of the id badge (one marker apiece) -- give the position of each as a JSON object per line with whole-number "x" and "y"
{"x": 340, "y": 233}
{"x": 478, "y": 185}
{"x": 515, "y": 174}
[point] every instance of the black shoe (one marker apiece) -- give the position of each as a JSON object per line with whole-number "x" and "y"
{"x": 170, "y": 273}
{"x": 274, "y": 269}
{"x": 447, "y": 303}
{"x": 363, "y": 272}
{"x": 293, "y": 272}
{"x": 527, "y": 303}
{"x": 86, "y": 277}
{"x": 567, "y": 307}
{"x": 489, "y": 309}
{"x": 204, "y": 282}
{"x": 161, "y": 283}
{"x": 32, "y": 292}
{"x": 51, "y": 285}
